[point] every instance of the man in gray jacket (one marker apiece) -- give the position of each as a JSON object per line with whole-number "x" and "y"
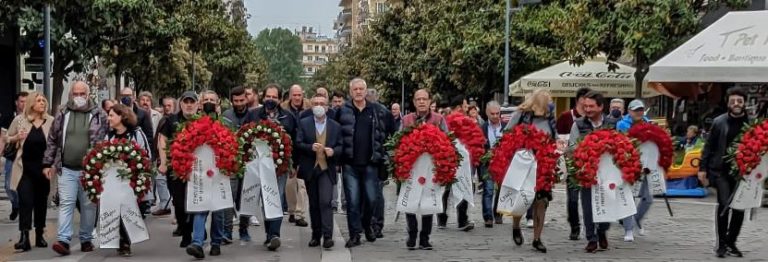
{"x": 76, "y": 128}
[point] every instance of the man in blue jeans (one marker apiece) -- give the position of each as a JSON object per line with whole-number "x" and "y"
{"x": 636, "y": 115}
{"x": 492, "y": 129}
{"x": 78, "y": 126}
{"x": 21, "y": 99}
{"x": 365, "y": 126}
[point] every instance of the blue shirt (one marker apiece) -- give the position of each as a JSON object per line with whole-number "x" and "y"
{"x": 320, "y": 126}
{"x": 626, "y": 123}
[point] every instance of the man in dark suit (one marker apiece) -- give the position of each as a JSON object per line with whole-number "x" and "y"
{"x": 317, "y": 141}
{"x": 492, "y": 129}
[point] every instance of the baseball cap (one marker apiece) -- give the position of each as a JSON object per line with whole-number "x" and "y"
{"x": 188, "y": 94}
{"x": 636, "y": 105}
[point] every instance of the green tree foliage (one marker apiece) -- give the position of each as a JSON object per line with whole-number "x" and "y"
{"x": 282, "y": 51}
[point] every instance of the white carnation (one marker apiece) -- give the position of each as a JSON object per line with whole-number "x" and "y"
{"x": 281, "y": 153}
{"x": 139, "y": 166}
{"x": 119, "y": 148}
{"x": 90, "y": 183}
{"x": 95, "y": 177}
{"x": 258, "y": 128}
{"x": 112, "y": 148}
{"x": 93, "y": 161}
{"x": 279, "y": 161}
{"x": 93, "y": 190}
{"x": 133, "y": 153}
{"x": 87, "y": 176}
{"x": 275, "y": 135}
{"x": 99, "y": 155}
{"x": 138, "y": 189}
{"x": 139, "y": 182}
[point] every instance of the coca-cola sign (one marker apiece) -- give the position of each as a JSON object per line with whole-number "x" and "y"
{"x": 598, "y": 75}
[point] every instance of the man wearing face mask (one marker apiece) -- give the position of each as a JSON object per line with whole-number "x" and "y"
{"x": 143, "y": 118}
{"x": 188, "y": 104}
{"x": 616, "y": 110}
{"x": 317, "y": 142}
{"x": 717, "y": 172}
{"x": 77, "y": 127}
{"x": 271, "y": 111}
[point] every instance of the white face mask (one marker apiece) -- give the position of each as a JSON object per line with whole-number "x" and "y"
{"x": 318, "y": 111}
{"x": 79, "y": 101}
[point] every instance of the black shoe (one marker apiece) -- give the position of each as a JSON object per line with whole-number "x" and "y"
{"x": 499, "y": 219}
{"x": 124, "y": 251}
{"x": 301, "y": 223}
{"x": 378, "y": 233}
{"x": 468, "y": 227}
{"x": 61, "y": 248}
{"x": 603, "y": 241}
{"x": 185, "y": 242}
{"x": 425, "y": 245}
{"x": 733, "y": 251}
{"x": 489, "y": 224}
{"x": 411, "y": 243}
{"x": 517, "y": 236}
{"x": 40, "y": 238}
{"x": 215, "y": 250}
{"x": 274, "y": 244}
{"x": 314, "y": 242}
{"x": 14, "y": 214}
{"x": 226, "y": 241}
{"x": 86, "y": 247}
{"x": 370, "y": 236}
{"x": 442, "y": 221}
{"x": 353, "y": 242}
{"x": 721, "y": 251}
{"x": 591, "y": 247}
{"x": 539, "y": 246}
{"x": 23, "y": 243}
{"x": 291, "y": 219}
{"x": 575, "y": 232}
{"x": 196, "y": 251}
{"x": 328, "y": 243}
{"x": 176, "y": 232}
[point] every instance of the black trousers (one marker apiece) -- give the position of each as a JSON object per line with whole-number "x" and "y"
{"x": 461, "y": 210}
{"x": 178, "y": 190}
{"x": 413, "y": 226}
{"x": 572, "y": 205}
{"x": 33, "y": 192}
{"x": 320, "y": 194}
{"x": 727, "y": 230}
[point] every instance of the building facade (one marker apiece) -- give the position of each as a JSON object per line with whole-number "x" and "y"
{"x": 356, "y": 15}
{"x": 316, "y": 50}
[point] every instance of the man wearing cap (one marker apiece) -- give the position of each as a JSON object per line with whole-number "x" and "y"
{"x": 188, "y": 104}
{"x": 636, "y": 115}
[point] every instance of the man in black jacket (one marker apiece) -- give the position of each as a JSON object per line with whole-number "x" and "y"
{"x": 714, "y": 169}
{"x": 365, "y": 127}
{"x": 144, "y": 121}
{"x": 318, "y": 141}
{"x": 271, "y": 111}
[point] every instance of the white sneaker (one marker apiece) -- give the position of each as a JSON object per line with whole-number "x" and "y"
{"x": 629, "y": 236}
{"x": 254, "y": 221}
{"x": 642, "y": 232}
{"x": 235, "y": 220}
{"x": 529, "y": 223}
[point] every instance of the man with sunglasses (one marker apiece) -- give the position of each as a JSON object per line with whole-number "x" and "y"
{"x": 714, "y": 169}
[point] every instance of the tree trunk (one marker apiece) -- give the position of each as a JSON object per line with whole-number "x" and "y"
{"x": 118, "y": 73}
{"x": 57, "y": 84}
{"x": 641, "y": 69}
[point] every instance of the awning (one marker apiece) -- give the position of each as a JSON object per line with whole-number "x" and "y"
{"x": 733, "y": 49}
{"x": 563, "y": 79}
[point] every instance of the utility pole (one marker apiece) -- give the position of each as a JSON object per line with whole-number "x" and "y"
{"x": 47, "y": 54}
{"x": 506, "y": 55}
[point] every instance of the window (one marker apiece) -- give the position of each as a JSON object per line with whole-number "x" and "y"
{"x": 309, "y": 58}
{"x": 382, "y": 7}
{"x": 323, "y": 49}
{"x": 317, "y": 49}
{"x": 309, "y": 47}
{"x": 309, "y": 69}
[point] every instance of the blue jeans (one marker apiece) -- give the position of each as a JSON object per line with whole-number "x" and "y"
{"x": 272, "y": 226}
{"x": 593, "y": 230}
{"x": 70, "y": 191}
{"x": 12, "y": 195}
{"x": 646, "y": 199}
{"x": 361, "y": 185}
{"x": 488, "y": 187}
{"x": 161, "y": 189}
{"x": 217, "y": 227}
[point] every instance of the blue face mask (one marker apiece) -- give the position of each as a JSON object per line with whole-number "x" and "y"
{"x": 126, "y": 101}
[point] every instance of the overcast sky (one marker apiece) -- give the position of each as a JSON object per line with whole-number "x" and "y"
{"x": 292, "y": 14}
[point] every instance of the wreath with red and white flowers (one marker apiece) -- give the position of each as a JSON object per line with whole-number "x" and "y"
{"x": 204, "y": 130}
{"x": 749, "y": 148}
{"x": 131, "y": 161}
{"x": 525, "y": 137}
{"x": 586, "y": 157}
{"x": 271, "y": 133}
{"x": 408, "y": 145}
{"x": 469, "y": 133}
{"x": 645, "y": 132}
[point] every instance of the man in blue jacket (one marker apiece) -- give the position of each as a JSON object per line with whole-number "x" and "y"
{"x": 636, "y": 115}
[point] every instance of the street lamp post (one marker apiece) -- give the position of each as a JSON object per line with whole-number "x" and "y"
{"x": 506, "y": 54}
{"x": 47, "y": 54}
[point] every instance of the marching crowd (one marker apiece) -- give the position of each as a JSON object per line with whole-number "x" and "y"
{"x": 339, "y": 153}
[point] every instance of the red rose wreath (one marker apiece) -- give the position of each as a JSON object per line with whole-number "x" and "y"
{"x": 521, "y": 137}
{"x": 204, "y": 130}
{"x": 272, "y": 133}
{"x": 132, "y": 162}
{"x": 586, "y": 157}
{"x": 469, "y": 133}
{"x": 412, "y": 142}
{"x": 644, "y": 132}
{"x": 749, "y": 148}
